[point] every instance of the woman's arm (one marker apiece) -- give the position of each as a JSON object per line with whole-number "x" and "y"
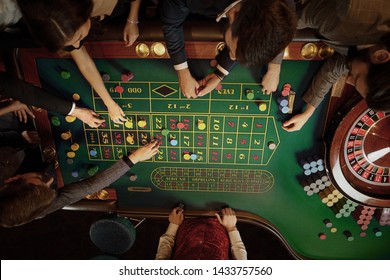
{"x": 131, "y": 31}
{"x": 88, "y": 68}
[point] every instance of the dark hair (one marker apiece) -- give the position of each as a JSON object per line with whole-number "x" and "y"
{"x": 263, "y": 28}
{"x": 378, "y": 82}
{"x": 53, "y": 22}
{"x": 22, "y": 202}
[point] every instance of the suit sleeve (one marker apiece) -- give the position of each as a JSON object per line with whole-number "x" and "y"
{"x": 29, "y": 94}
{"x": 76, "y": 191}
{"x": 173, "y": 14}
{"x": 325, "y": 78}
{"x": 225, "y": 64}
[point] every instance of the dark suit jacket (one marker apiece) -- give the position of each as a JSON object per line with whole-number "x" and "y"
{"x": 29, "y": 94}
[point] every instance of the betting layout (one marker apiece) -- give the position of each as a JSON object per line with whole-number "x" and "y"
{"x": 229, "y": 126}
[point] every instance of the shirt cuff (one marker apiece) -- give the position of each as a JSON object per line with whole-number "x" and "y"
{"x": 72, "y": 109}
{"x": 223, "y": 70}
{"x": 181, "y": 66}
{"x": 172, "y": 229}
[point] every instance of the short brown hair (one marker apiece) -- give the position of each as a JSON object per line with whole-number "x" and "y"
{"x": 22, "y": 202}
{"x": 263, "y": 28}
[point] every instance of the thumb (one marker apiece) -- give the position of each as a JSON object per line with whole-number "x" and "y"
{"x": 219, "y": 218}
{"x": 288, "y": 122}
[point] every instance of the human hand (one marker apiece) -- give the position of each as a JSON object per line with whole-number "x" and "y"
{"x": 21, "y": 110}
{"x": 188, "y": 84}
{"x": 31, "y": 137}
{"x": 176, "y": 216}
{"x": 145, "y": 152}
{"x": 271, "y": 78}
{"x": 130, "y": 33}
{"x": 208, "y": 83}
{"x": 116, "y": 113}
{"x": 228, "y": 220}
{"x": 298, "y": 121}
{"x": 88, "y": 116}
{"x": 295, "y": 123}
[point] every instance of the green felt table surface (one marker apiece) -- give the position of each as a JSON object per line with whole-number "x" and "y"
{"x": 234, "y": 165}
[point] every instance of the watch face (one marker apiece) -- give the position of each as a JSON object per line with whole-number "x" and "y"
{"x": 359, "y": 156}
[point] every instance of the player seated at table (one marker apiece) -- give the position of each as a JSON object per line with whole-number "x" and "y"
{"x": 201, "y": 238}
{"x": 62, "y": 26}
{"x": 21, "y": 93}
{"x": 257, "y": 33}
{"x": 29, "y": 196}
{"x": 16, "y": 138}
{"x": 363, "y": 52}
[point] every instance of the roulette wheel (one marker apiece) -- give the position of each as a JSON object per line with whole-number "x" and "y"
{"x": 358, "y": 156}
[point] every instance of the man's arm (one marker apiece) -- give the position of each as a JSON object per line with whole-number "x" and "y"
{"x": 324, "y": 79}
{"x": 17, "y": 89}
{"x": 271, "y": 78}
{"x": 173, "y": 15}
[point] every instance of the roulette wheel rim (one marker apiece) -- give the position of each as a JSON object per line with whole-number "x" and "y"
{"x": 341, "y": 161}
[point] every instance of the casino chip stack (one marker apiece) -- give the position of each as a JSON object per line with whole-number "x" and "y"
{"x": 312, "y": 165}
{"x": 363, "y": 216}
{"x": 316, "y": 179}
{"x": 344, "y": 208}
{"x": 286, "y": 100}
{"x": 317, "y": 183}
{"x": 283, "y": 104}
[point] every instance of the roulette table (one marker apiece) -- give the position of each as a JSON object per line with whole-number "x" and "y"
{"x": 225, "y": 148}
{"x": 359, "y": 158}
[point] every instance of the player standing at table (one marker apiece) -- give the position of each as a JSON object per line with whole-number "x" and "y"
{"x": 62, "y": 25}
{"x": 360, "y": 32}
{"x": 26, "y": 93}
{"x": 257, "y": 32}
{"x": 29, "y": 196}
{"x": 202, "y": 238}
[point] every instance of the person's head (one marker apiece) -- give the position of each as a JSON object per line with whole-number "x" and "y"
{"x": 370, "y": 74}
{"x": 259, "y": 30}
{"x": 23, "y": 197}
{"x": 58, "y": 24}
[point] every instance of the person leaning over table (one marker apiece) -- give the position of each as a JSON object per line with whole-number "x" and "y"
{"x": 62, "y": 25}
{"x": 257, "y": 34}
{"x": 359, "y": 31}
{"x": 201, "y": 238}
{"x": 29, "y": 196}
{"x": 22, "y": 92}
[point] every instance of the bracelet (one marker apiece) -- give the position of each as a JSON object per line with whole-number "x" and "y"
{"x": 132, "y": 21}
{"x": 219, "y": 74}
{"x": 128, "y": 161}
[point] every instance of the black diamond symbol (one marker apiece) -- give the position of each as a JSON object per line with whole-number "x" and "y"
{"x": 164, "y": 90}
